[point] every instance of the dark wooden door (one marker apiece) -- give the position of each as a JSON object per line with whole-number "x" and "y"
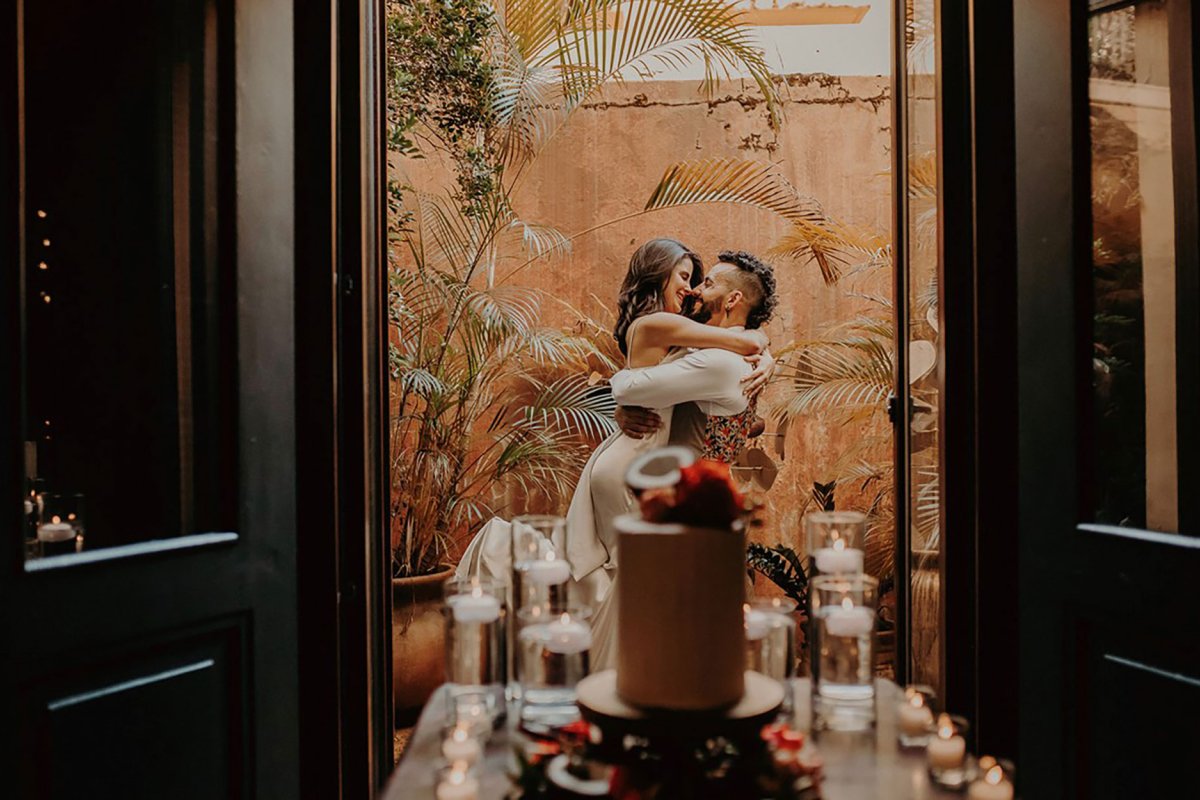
{"x": 1108, "y": 338}
{"x": 147, "y": 375}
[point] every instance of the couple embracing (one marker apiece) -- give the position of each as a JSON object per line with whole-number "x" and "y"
{"x": 695, "y": 360}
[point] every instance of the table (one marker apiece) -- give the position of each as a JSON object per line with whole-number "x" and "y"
{"x": 858, "y": 766}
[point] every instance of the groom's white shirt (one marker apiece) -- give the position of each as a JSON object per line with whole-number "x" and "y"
{"x": 710, "y": 378}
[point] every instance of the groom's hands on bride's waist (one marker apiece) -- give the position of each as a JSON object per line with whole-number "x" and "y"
{"x": 637, "y": 422}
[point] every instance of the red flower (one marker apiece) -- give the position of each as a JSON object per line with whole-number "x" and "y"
{"x": 706, "y": 496}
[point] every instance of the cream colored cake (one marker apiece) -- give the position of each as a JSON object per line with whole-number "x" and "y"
{"x": 680, "y": 638}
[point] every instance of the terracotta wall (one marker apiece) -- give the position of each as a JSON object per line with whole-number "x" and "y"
{"x": 834, "y": 145}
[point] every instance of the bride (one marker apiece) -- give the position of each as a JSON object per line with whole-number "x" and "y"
{"x": 650, "y": 329}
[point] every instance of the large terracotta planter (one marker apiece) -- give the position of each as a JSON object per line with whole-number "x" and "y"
{"x": 418, "y": 641}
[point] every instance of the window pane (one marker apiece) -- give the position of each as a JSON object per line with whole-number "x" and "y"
{"x": 1135, "y": 478}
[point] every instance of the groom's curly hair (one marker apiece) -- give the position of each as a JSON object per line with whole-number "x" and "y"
{"x": 756, "y": 281}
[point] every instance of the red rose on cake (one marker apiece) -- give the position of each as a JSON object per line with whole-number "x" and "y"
{"x": 705, "y": 496}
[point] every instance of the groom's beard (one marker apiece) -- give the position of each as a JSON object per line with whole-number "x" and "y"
{"x": 699, "y": 311}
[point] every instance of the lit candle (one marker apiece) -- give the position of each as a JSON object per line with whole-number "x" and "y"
{"x": 913, "y": 716}
{"x": 758, "y": 624}
{"x": 849, "y": 620}
{"x": 838, "y": 558}
{"x": 474, "y": 607}
{"x": 55, "y": 531}
{"x": 458, "y": 785}
{"x": 946, "y": 750}
{"x": 460, "y": 745}
{"x": 565, "y": 636}
{"x": 548, "y": 571}
{"x": 993, "y": 785}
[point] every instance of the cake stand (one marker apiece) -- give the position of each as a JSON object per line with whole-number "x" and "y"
{"x": 688, "y": 746}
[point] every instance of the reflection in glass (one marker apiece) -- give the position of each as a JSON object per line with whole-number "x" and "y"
{"x": 1135, "y": 477}
{"x": 122, "y": 338}
{"x": 921, "y": 116}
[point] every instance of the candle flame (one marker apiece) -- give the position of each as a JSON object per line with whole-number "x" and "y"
{"x": 847, "y": 603}
{"x": 994, "y": 775}
{"x": 458, "y": 774}
{"x": 945, "y": 727}
{"x": 917, "y": 700}
{"x": 839, "y": 544}
{"x": 565, "y": 618}
{"x": 460, "y": 733}
{"x": 56, "y": 519}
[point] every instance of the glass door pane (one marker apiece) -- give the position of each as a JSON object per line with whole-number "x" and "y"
{"x": 921, "y": 275}
{"x": 1135, "y": 477}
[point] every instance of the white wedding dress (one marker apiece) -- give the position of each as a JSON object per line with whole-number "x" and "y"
{"x": 591, "y": 546}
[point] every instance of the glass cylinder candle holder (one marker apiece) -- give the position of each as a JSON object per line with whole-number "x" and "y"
{"x": 476, "y": 615}
{"x": 462, "y": 742}
{"x": 457, "y": 780}
{"x": 946, "y": 752}
{"x": 995, "y": 780}
{"x": 842, "y": 611}
{"x": 553, "y": 650}
{"x": 836, "y": 540}
{"x": 540, "y": 568}
{"x": 473, "y": 710}
{"x": 914, "y": 716}
{"x": 60, "y": 530}
{"x": 771, "y": 641}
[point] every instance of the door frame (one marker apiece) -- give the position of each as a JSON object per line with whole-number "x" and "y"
{"x": 341, "y": 291}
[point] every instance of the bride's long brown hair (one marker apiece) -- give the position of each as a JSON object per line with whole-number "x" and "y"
{"x": 642, "y": 290}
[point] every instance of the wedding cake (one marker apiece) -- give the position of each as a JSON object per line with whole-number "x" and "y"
{"x": 680, "y": 594}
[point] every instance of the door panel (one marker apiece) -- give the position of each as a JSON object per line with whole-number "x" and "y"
{"x": 165, "y": 662}
{"x": 170, "y": 716}
{"x": 1106, "y": 237}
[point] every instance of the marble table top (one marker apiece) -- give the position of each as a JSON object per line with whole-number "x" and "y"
{"x": 858, "y": 766}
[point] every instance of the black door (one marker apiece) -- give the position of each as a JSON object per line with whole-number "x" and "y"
{"x": 148, "y": 451}
{"x": 1108, "y": 338}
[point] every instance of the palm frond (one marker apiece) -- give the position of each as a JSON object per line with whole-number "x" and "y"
{"x": 601, "y": 40}
{"x": 571, "y": 405}
{"x": 540, "y": 240}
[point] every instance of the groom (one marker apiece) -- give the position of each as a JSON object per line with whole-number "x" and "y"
{"x": 705, "y": 385}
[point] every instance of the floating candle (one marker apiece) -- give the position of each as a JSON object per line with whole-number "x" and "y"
{"x": 838, "y": 558}
{"x": 460, "y": 745}
{"x": 458, "y": 785}
{"x": 474, "y": 607}
{"x": 548, "y": 571}
{"x": 849, "y": 620}
{"x": 565, "y": 636}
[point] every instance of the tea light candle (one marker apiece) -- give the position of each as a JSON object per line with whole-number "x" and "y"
{"x": 458, "y": 785}
{"x": 849, "y": 620}
{"x": 993, "y": 785}
{"x": 460, "y": 745}
{"x": 566, "y": 636}
{"x": 947, "y": 749}
{"x": 839, "y": 558}
{"x": 913, "y": 716}
{"x": 474, "y": 607}
{"x": 548, "y": 571}
{"x": 55, "y": 532}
